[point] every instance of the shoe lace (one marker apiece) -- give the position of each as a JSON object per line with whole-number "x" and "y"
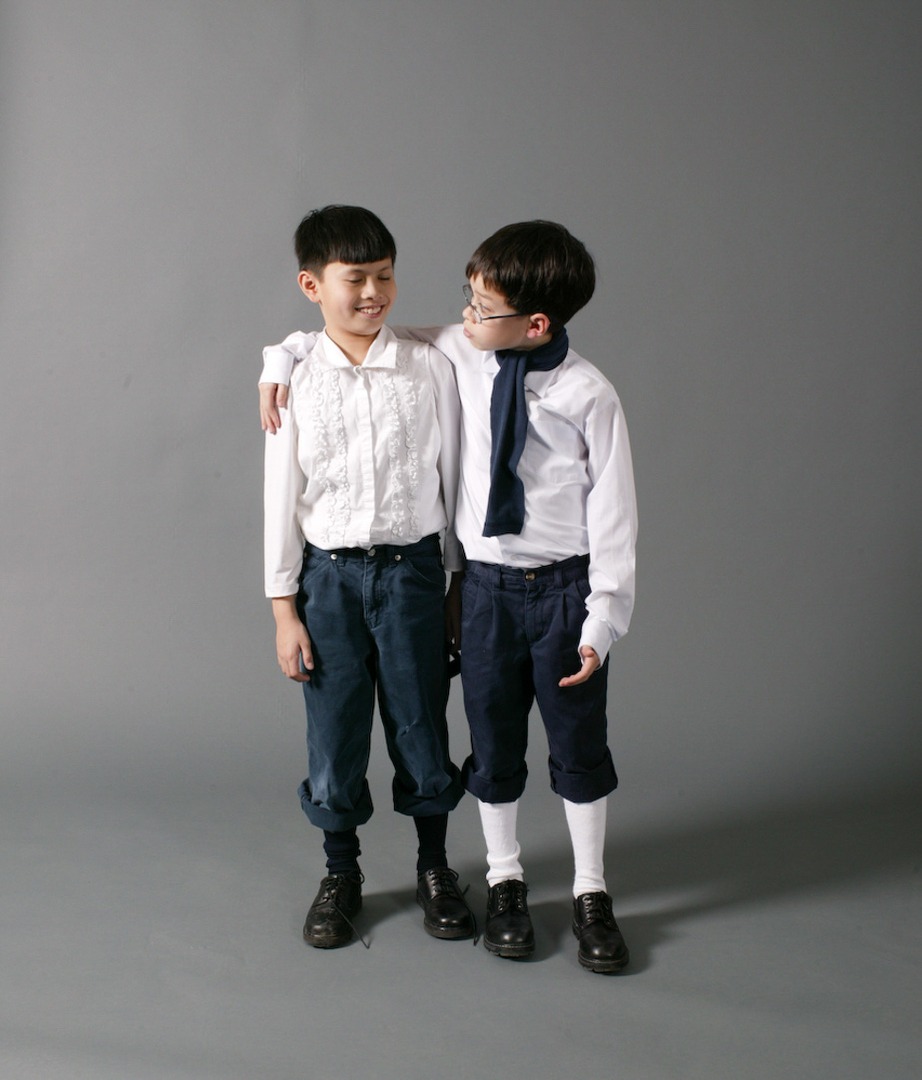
{"x": 332, "y": 893}
{"x": 355, "y": 929}
{"x": 443, "y": 880}
{"x": 510, "y": 896}
{"x": 597, "y": 908}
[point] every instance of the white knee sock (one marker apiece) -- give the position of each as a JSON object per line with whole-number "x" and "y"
{"x": 498, "y": 821}
{"x": 586, "y": 822}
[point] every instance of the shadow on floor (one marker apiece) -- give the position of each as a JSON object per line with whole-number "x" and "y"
{"x": 757, "y": 857}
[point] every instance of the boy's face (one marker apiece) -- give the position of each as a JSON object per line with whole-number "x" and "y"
{"x": 520, "y": 331}
{"x": 355, "y": 298}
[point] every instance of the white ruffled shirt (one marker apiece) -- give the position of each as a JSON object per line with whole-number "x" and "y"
{"x": 366, "y": 454}
{"x": 576, "y": 470}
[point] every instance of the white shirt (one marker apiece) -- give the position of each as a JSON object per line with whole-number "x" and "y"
{"x": 367, "y": 454}
{"x": 576, "y": 470}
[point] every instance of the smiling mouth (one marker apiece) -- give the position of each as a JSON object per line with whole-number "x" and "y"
{"x": 371, "y": 312}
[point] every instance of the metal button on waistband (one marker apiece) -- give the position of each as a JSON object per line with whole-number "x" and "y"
{"x": 529, "y": 575}
{"x": 334, "y": 556}
{"x": 371, "y": 551}
{"x": 397, "y": 558}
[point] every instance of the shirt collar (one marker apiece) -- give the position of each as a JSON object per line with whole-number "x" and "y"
{"x": 536, "y": 382}
{"x": 382, "y": 353}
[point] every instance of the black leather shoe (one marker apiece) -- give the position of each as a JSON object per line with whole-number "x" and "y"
{"x": 601, "y": 946}
{"x": 338, "y": 900}
{"x": 508, "y": 931}
{"x": 445, "y": 911}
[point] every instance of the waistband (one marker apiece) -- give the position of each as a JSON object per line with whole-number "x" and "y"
{"x": 558, "y": 573}
{"x": 428, "y": 545}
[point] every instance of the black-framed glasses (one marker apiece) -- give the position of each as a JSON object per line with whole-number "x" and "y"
{"x": 478, "y": 316}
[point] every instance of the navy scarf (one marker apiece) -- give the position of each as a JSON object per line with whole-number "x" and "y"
{"x": 508, "y": 426}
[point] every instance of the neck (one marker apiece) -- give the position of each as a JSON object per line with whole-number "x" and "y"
{"x": 538, "y": 342}
{"x": 353, "y": 346}
{"x": 530, "y": 344}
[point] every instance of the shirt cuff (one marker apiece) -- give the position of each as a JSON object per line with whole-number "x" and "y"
{"x": 278, "y": 585}
{"x": 276, "y": 365}
{"x": 598, "y": 634}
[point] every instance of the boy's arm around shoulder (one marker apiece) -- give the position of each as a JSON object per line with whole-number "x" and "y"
{"x": 278, "y": 361}
{"x": 449, "y": 339}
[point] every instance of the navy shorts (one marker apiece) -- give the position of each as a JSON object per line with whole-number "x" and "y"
{"x": 520, "y": 632}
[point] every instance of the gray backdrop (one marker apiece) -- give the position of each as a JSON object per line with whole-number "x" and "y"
{"x": 745, "y": 173}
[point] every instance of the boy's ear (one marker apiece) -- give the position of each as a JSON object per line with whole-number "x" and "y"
{"x": 538, "y": 325}
{"x": 307, "y": 282}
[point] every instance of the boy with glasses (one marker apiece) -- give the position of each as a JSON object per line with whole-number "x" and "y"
{"x": 546, "y": 515}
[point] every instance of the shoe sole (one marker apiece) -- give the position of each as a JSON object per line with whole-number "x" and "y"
{"x": 603, "y": 967}
{"x": 450, "y": 933}
{"x": 509, "y": 952}
{"x": 326, "y": 943}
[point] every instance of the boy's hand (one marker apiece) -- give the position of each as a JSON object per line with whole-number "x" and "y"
{"x": 292, "y": 641}
{"x": 293, "y": 647}
{"x": 591, "y": 663}
{"x": 272, "y": 397}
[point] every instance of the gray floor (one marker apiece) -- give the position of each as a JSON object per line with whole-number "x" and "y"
{"x": 151, "y": 929}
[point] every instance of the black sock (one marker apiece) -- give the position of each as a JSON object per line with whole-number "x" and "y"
{"x": 431, "y": 832}
{"x": 342, "y": 851}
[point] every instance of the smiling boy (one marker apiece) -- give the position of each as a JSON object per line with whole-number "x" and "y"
{"x": 547, "y": 519}
{"x": 360, "y": 480}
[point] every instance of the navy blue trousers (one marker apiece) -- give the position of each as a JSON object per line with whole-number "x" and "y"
{"x": 377, "y": 628}
{"x": 520, "y": 633}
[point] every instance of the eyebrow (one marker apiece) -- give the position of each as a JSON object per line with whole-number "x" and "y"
{"x": 359, "y": 268}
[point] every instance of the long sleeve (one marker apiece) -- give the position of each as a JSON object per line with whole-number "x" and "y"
{"x": 611, "y": 514}
{"x": 283, "y": 484}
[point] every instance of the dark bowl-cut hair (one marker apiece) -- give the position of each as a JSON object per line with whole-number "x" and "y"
{"x": 347, "y": 234}
{"x": 538, "y": 266}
